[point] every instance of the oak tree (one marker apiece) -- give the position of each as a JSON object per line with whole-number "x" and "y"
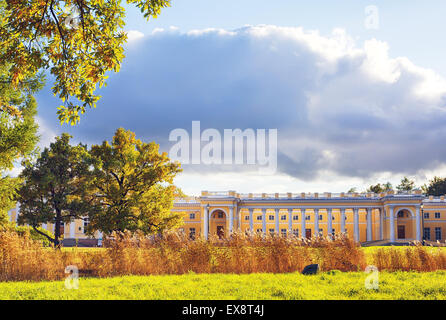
{"x": 77, "y": 41}
{"x": 18, "y": 134}
{"x": 54, "y": 187}
{"x": 132, "y": 186}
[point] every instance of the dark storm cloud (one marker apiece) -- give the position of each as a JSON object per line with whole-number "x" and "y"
{"x": 337, "y": 107}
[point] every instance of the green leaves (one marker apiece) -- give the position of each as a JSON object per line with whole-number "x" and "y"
{"x": 55, "y": 185}
{"x": 132, "y": 186}
{"x": 35, "y": 35}
{"x": 17, "y": 132}
{"x": 123, "y": 186}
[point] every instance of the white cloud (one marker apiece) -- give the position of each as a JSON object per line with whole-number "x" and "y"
{"x": 346, "y": 112}
{"x": 134, "y": 35}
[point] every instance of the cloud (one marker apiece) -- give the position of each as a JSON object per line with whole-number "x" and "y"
{"x": 342, "y": 108}
{"x": 133, "y": 35}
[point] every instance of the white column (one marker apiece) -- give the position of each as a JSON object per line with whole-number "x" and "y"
{"x": 44, "y": 226}
{"x": 231, "y": 219}
{"x": 264, "y": 221}
{"x": 343, "y": 220}
{"x": 329, "y": 223}
{"x": 99, "y": 238}
{"x": 251, "y": 223}
{"x": 206, "y": 223}
{"x": 239, "y": 217}
{"x": 418, "y": 223}
{"x": 277, "y": 221}
{"x": 290, "y": 221}
{"x": 356, "y": 224}
{"x": 369, "y": 224}
{"x": 381, "y": 224}
{"x": 392, "y": 225}
{"x": 72, "y": 228}
{"x": 302, "y": 224}
{"x": 316, "y": 222}
{"x": 17, "y": 212}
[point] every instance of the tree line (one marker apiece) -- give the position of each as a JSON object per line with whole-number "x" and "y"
{"x": 435, "y": 187}
{"x": 125, "y": 185}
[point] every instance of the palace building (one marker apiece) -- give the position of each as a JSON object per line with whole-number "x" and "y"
{"x": 385, "y": 217}
{"x": 367, "y": 217}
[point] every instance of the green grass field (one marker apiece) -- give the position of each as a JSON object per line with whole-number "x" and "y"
{"x": 331, "y": 285}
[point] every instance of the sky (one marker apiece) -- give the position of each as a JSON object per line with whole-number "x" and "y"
{"x": 357, "y": 96}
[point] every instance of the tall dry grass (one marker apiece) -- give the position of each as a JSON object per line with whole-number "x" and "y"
{"x": 21, "y": 258}
{"x": 413, "y": 258}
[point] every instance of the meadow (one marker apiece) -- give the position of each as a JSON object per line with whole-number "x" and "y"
{"x": 243, "y": 267}
{"x": 256, "y": 286}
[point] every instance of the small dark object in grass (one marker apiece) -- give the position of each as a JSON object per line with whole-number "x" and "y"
{"x": 311, "y": 269}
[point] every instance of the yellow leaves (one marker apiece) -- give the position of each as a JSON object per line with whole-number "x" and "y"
{"x": 78, "y": 58}
{"x": 10, "y": 110}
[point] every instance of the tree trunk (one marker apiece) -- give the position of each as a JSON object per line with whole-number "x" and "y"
{"x": 57, "y": 228}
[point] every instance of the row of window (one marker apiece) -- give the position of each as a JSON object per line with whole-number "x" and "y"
{"x": 437, "y": 215}
{"x": 284, "y": 217}
{"x": 296, "y": 217}
{"x": 283, "y": 232}
{"x": 427, "y": 233}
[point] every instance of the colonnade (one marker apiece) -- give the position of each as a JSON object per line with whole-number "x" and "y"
{"x": 303, "y": 221}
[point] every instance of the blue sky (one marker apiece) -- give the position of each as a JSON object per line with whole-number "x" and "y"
{"x": 353, "y": 106}
{"x": 412, "y": 28}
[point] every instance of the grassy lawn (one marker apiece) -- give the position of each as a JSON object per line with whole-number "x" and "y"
{"x": 331, "y": 285}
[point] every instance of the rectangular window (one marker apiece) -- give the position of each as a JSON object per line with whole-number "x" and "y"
{"x": 86, "y": 223}
{"x": 307, "y": 217}
{"x": 283, "y": 232}
{"x": 333, "y": 231}
{"x": 271, "y": 217}
{"x": 296, "y": 232}
{"x": 438, "y": 233}
{"x": 246, "y": 218}
{"x": 427, "y": 233}
{"x": 259, "y": 230}
{"x": 320, "y": 217}
{"x": 192, "y": 216}
{"x": 271, "y": 231}
{"x": 192, "y": 233}
{"x": 332, "y": 217}
{"x": 283, "y": 217}
{"x": 295, "y": 217}
{"x": 437, "y": 215}
{"x": 259, "y": 217}
{"x": 426, "y": 215}
{"x": 321, "y": 231}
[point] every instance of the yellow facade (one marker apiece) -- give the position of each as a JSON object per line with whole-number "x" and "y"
{"x": 367, "y": 217}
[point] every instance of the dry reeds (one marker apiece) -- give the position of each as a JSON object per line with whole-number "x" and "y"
{"x": 413, "y": 258}
{"x": 21, "y": 258}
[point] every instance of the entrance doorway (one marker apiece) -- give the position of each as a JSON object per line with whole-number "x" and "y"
{"x": 401, "y": 232}
{"x": 405, "y": 225}
{"x": 218, "y": 223}
{"x": 308, "y": 233}
{"x": 220, "y": 232}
